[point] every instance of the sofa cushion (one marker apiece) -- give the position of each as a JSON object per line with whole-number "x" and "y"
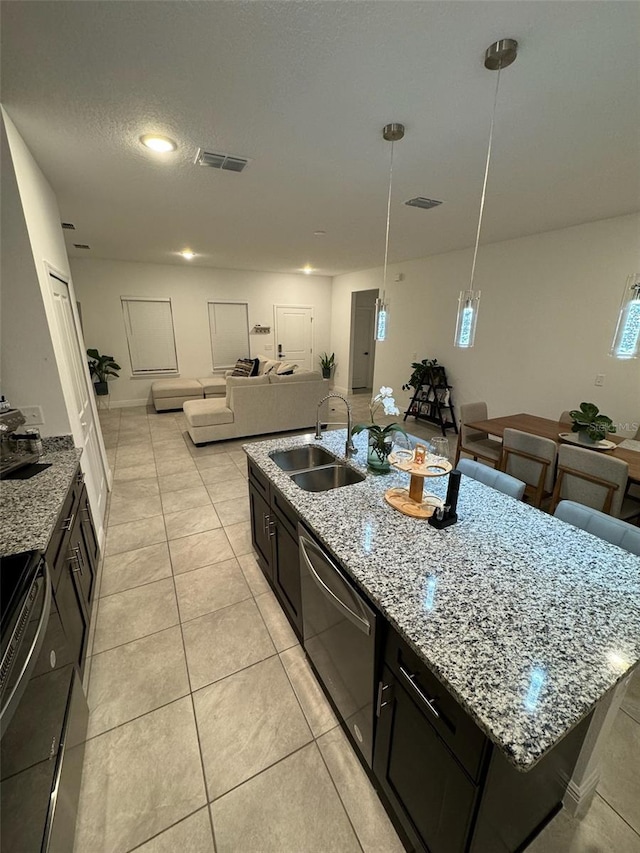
{"x": 207, "y": 412}
{"x": 176, "y": 388}
{"x": 269, "y": 366}
{"x": 300, "y": 376}
{"x": 214, "y": 386}
{"x": 285, "y": 367}
{"x": 246, "y": 367}
{"x": 243, "y": 381}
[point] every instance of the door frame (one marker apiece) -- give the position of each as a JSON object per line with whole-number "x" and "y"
{"x": 275, "y": 328}
{"x": 352, "y": 328}
{"x": 56, "y": 335}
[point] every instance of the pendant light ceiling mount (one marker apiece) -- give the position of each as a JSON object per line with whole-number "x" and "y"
{"x": 501, "y": 54}
{"x": 393, "y": 132}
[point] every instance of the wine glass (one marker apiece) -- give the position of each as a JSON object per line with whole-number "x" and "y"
{"x": 440, "y": 448}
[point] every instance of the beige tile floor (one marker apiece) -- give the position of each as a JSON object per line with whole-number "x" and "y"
{"x": 208, "y": 731}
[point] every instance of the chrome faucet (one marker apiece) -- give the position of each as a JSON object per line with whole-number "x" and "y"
{"x": 349, "y": 449}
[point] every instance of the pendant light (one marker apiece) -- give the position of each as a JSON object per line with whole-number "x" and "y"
{"x": 626, "y": 340}
{"x": 498, "y": 56}
{"x": 392, "y": 133}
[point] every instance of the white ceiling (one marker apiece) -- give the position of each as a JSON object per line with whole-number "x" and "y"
{"x": 304, "y": 89}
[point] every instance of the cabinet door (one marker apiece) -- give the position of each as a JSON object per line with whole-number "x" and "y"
{"x": 286, "y": 572}
{"x": 88, "y": 531}
{"x": 71, "y": 609}
{"x": 80, "y": 561}
{"x": 260, "y": 539}
{"x": 429, "y": 791}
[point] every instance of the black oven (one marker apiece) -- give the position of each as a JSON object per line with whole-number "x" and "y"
{"x": 43, "y": 714}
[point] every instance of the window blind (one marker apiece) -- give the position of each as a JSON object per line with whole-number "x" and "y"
{"x": 229, "y": 327}
{"x": 149, "y": 327}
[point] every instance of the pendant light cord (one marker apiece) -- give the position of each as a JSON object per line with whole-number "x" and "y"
{"x": 484, "y": 185}
{"x": 386, "y": 244}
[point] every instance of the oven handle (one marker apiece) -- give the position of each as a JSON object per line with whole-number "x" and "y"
{"x": 360, "y": 623}
{"x": 32, "y": 657}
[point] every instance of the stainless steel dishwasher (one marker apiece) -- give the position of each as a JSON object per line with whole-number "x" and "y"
{"x": 339, "y": 633}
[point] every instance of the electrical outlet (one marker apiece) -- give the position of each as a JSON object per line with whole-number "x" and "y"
{"x": 599, "y": 378}
{"x": 33, "y": 415}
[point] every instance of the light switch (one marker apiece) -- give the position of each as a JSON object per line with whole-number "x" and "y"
{"x": 599, "y": 378}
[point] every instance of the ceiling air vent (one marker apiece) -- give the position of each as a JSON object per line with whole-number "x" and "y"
{"x": 81, "y": 246}
{"x": 424, "y": 203}
{"x": 68, "y": 226}
{"x": 220, "y": 161}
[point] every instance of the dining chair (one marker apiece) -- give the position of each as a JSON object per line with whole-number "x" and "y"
{"x": 532, "y": 459}
{"x": 592, "y": 478}
{"x": 565, "y": 417}
{"x": 498, "y": 480}
{"x": 476, "y": 444}
{"x": 612, "y": 530}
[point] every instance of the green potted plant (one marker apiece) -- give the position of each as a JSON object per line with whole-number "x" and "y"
{"x": 327, "y": 363}
{"x": 417, "y": 376}
{"x": 590, "y": 425}
{"x": 380, "y": 438}
{"x": 101, "y": 368}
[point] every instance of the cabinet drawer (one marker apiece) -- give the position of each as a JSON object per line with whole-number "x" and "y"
{"x": 456, "y": 728}
{"x": 258, "y": 479}
{"x": 286, "y": 514}
{"x": 61, "y": 532}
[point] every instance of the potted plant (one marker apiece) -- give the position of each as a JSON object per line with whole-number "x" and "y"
{"x": 327, "y": 363}
{"x": 101, "y": 367}
{"x": 590, "y": 425}
{"x": 380, "y": 438}
{"x": 417, "y": 376}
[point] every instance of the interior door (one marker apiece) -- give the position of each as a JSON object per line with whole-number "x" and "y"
{"x": 74, "y": 380}
{"x": 363, "y": 348}
{"x": 294, "y": 334}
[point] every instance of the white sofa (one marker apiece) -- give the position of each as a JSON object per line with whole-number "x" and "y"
{"x": 256, "y": 405}
{"x": 169, "y": 394}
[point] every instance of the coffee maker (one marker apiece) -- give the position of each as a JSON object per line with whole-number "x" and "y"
{"x": 14, "y": 446}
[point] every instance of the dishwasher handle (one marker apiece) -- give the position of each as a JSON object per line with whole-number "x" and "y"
{"x": 355, "y": 619}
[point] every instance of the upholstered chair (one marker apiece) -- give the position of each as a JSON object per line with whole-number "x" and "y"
{"x": 474, "y": 443}
{"x": 490, "y": 477}
{"x": 594, "y": 479}
{"x": 532, "y": 459}
{"x": 612, "y": 530}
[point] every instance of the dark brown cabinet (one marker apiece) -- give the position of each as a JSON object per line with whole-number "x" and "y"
{"x": 72, "y": 556}
{"x": 274, "y": 534}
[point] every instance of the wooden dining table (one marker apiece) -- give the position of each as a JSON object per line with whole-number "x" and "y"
{"x": 552, "y": 429}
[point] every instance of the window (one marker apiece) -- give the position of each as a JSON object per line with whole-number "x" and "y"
{"x": 229, "y": 327}
{"x": 149, "y": 327}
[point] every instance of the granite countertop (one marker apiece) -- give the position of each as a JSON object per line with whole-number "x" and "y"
{"x": 527, "y": 620}
{"x": 29, "y": 508}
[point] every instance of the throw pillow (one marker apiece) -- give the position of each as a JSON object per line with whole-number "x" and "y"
{"x": 245, "y": 367}
{"x": 285, "y": 368}
{"x": 270, "y": 366}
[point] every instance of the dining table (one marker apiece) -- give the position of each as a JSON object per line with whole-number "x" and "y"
{"x": 548, "y": 428}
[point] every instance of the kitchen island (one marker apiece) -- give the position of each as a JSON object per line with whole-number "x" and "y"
{"x": 527, "y": 622}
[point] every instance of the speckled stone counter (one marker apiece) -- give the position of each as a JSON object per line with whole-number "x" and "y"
{"x": 29, "y": 508}
{"x": 527, "y": 620}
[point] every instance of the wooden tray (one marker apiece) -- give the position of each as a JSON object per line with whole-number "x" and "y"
{"x": 401, "y": 500}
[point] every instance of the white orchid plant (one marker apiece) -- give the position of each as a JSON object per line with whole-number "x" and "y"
{"x": 379, "y": 437}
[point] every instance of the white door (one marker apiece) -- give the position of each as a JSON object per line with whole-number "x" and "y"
{"x": 77, "y": 393}
{"x": 294, "y": 335}
{"x": 363, "y": 348}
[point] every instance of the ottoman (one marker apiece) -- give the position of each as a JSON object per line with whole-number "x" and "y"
{"x": 173, "y": 393}
{"x": 214, "y": 386}
{"x": 207, "y": 419}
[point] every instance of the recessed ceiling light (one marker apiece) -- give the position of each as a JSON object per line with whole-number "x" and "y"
{"x": 307, "y": 270}
{"x": 158, "y": 143}
{"x": 187, "y": 254}
{"x": 319, "y": 233}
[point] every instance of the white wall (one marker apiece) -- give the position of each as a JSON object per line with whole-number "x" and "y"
{"x": 100, "y": 284}
{"x": 29, "y": 371}
{"x": 547, "y": 315}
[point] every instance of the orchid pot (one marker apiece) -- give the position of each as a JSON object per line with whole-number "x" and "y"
{"x": 380, "y": 439}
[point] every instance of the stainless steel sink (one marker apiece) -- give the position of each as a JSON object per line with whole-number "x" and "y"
{"x": 299, "y": 458}
{"x": 326, "y": 478}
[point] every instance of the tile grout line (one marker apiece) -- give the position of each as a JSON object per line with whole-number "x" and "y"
{"x": 615, "y": 811}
